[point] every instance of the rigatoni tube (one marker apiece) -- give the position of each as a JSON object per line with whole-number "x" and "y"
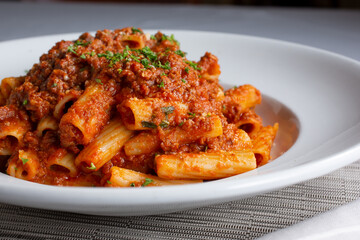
{"x": 262, "y": 143}
{"x": 110, "y": 140}
{"x": 121, "y": 177}
{"x": 205, "y": 166}
{"x": 135, "y": 112}
{"x": 86, "y": 116}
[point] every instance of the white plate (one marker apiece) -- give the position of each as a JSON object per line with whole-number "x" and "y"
{"x": 313, "y": 94}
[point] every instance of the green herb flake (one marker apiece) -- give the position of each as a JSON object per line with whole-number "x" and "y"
{"x": 26, "y": 71}
{"x": 92, "y": 166}
{"x": 161, "y": 85}
{"x": 208, "y": 115}
{"x": 183, "y": 80}
{"x": 148, "y": 53}
{"x": 24, "y": 160}
{"x": 135, "y": 58}
{"x": 98, "y": 81}
{"x": 25, "y": 102}
{"x": 54, "y": 85}
{"x": 180, "y": 124}
{"x": 145, "y": 62}
{"x": 146, "y": 124}
{"x": 168, "y": 110}
{"x": 79, "y": 43}
{"x": 92, "y": 53}
{"x": 206, "y": 148}
{"x": 180, "y": 53}
{"x": 167, "y": 66}
{"x": 235, "y": 87}
{"x": 132, "y": 184}
{"x": 119, "y": 70}
{"x": 187, "y": 70}
{"x": 72, "y": 49}
{"x": 147, "y": 182}
{"x": 164, "y": 66}
{"x": 15, "y": 168}
{"x": 193, "y": 65}
{"x": 152, "y": 37}
{"x": 170, "y": 38}
{"x": 135, "y": 30}
{"x": 163, "y": 74}
{"x": 223, "y": 107}
{"x": 83, "y": 56}
{"x": 164, "y": 124}
{"x": 192, "y": 115}
{"x": 108, "y": 182}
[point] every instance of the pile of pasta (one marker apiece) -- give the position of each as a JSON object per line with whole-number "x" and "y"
{"x": 128, "y": 109}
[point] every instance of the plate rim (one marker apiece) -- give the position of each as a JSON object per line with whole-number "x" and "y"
{"x": 293, "y": 175}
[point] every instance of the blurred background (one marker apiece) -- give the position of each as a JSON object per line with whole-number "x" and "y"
{"x": 347, "y": 4}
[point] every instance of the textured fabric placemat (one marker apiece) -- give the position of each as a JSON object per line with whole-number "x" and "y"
{"x": 244, "y": 219}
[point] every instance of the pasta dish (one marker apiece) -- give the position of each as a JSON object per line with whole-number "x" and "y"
{"x": 127, "y": 109}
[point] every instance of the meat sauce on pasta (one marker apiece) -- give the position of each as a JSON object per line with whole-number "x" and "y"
{"x": 127, "y": 109}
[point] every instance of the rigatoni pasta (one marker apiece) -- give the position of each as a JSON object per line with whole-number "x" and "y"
{"x": 128, "y": 109}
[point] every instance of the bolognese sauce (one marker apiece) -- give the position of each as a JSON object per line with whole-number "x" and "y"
{"x": 79, "y": 88}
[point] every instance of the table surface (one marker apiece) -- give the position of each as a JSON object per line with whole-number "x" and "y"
{"x": 334, "y": 30}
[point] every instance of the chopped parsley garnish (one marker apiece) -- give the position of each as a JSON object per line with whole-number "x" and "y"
{"x": 161, "y": 85}
{"x": 72, "y": 49}
{"x": 79, "y": 43}
{"x": 171, "y": 38}
{"x": 132, "y": 184}
{"x": 208, "y": 115}
{"x": 163, "y": 74}
{"x": 168, "y": 110}
{"x": 147, "y": 182}
{"x": 92, "y": 166}
{"x": 152, "y": 37}
{"x": 146, "y": 51}
{"x": 119, "y": 70}
{"x": 206, "y": 148}
{"x": 235, "y": 87}
{"x": 135, "y": 30}
{"x": 192, "y": 115}
{"x": 108, "y": 55}
{"x": 164, "y": 124}
{"x": 135, "y": 58}
{"x": 83, "y": 56}
{"x": 183, "y": 80}
{"x": 193, "y": 65}
{"x": 145, "y": 62}
{"x": 26, "y": 71}
{"x": 180, "y": 53}
{"x": 98, "y": 81}
{"x": 180, "y": 124}
{"x": 223, "y": 107}
{"x": 92, "y": 54}
{"x": 24, "y": 160}
{"x": 147, "y": 124}
{"x": 25, "y": 102}
{"x": 108, "y": 182}
{"x": 54, "y": 85}
{"x": 187, "y": 70}
{"x": 160, "y": 65}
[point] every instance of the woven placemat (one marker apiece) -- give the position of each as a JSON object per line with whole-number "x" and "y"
{"x": 244, "y": 219}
